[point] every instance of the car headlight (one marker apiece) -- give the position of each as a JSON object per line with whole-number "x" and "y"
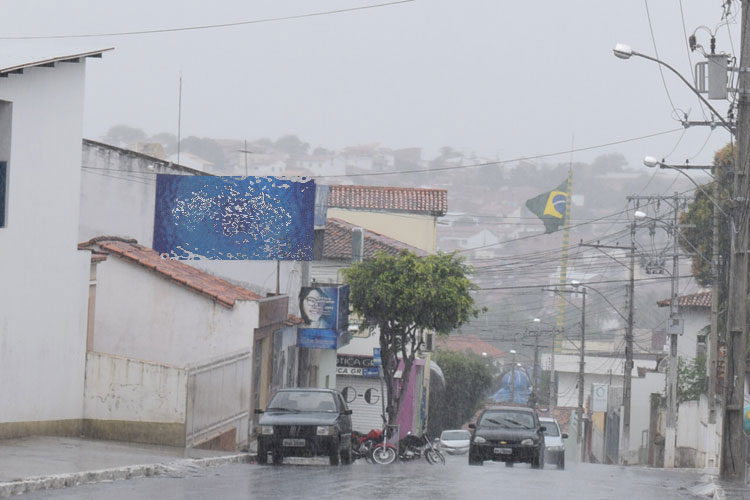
{"x": 325, "y": 430}
{"x": 528, "y": 442}
{"x": 266, "y": 430}
{"x": 479, "y": 440}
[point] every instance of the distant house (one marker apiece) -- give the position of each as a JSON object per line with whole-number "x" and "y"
{"x": 188, "y": 338}
{"x": 470, "y": 344}
{"x": 408, "y": 215}
{"x": 695, "y": 310}
{"x": 44, "y": 276}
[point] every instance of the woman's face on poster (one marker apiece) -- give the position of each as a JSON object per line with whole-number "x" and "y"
{"x": 314, "y": 305}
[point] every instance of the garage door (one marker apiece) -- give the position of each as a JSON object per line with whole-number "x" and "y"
{"x": 366, "y": 416}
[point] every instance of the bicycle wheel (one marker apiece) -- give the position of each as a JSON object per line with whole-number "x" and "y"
{"x": 383, "y": 455}
{"x": 434, "y": 456}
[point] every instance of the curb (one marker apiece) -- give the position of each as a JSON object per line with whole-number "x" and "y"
{"x": 58, "y": 481}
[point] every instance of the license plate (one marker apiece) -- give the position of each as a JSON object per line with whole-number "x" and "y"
{"x": 503, "y": 451}
{"x": 293, "y": 442}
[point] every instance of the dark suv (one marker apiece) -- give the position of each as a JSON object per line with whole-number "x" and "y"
{"x": 305, "y": 423}
{"x": 507, "y": 434}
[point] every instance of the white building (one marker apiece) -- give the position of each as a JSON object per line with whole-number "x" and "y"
{"x": 44, "y": 288}
{"x": 160, "y": 330}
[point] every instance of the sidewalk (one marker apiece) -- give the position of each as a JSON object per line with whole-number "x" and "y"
{"x": 42, "y": 462}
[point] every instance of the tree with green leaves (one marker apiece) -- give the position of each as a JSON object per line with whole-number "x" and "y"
{"x": 468, "y": 379}
{"x": 696, "y": 236}
{"x": 691, "y": 378}
{"x": 404, "y": 297}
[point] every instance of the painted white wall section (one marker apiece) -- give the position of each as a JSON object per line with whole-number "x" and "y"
{"x": 417, "y": 230}
{"x": 142, "y": 315}
{"x": 118, "y": 192}
{"x": 44, "y": 290}
{"x": 131, "y": 390}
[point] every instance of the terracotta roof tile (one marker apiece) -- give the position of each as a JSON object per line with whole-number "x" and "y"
{"x": 222, "y": 291}
{"x": 415, "y": 200}
{"x": 468, "y": 343}
{"x": 700, "y": 299}
{"x": 338, "y": 242}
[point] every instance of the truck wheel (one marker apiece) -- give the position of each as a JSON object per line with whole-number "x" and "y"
{"x": 278, "y": 457}
{"x": 561, "y": 461}
{"x": 262, "y": 455}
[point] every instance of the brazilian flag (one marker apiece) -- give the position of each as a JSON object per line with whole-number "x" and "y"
{"x": 550, "y": 207}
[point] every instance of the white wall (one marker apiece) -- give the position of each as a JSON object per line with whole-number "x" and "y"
{"x": 131, "y": 390}
{"x": 141, "y": 315}
{"x": 640, "y": 405}
{"x": 44, "y": 277}
{"x": 118, "y": 192}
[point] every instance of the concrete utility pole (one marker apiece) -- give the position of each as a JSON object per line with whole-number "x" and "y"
{"x": 581, "y": 367}
{"x": 673, "y": 331}
{"x": 627, "y": 382}
{"x": 513, "y": 378}
{"x": 713, "y": 340}
{"x": 732, "y": 465}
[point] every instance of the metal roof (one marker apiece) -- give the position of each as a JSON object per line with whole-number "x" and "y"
{"x": 15, "y": 61}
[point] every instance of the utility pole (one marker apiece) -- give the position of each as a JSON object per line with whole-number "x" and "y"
{"x": 673, "y": 331}
{"x": 732, "y": 465}
{"x": 713, "y": 340}
{"x": 581, "y": 366}
{"x": 536, "y": 367}
{"x": 627, "y": 382}
{"x": 513, "y": 378}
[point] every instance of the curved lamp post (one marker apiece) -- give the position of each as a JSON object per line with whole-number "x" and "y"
{"x": 624, "y": 51}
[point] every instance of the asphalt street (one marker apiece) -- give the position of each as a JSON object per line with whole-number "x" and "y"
{"x": 417, "y": 480}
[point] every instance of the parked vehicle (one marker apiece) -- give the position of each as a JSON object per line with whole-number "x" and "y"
{"x": 411, "y": 447}
{"x": 507, "y": 434}
{"x": 363, "y": 444}
{"x": 553, "y": 442}
{"x": 455, "y": 441}
{"x": 304, "y": 423}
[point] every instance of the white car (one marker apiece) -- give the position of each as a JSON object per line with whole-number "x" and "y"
{"x": 455, "y": 441}
{"x": 553, "y": 442}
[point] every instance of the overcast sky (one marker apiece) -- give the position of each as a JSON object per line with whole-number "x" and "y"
{"x": 499, "y": 78}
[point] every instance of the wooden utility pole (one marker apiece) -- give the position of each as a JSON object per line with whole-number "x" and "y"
{"x": 732, "y": 465}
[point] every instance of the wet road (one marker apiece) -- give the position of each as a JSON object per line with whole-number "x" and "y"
{"x": 414, "y": 480}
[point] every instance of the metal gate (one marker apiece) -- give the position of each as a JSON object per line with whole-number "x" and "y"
{"x": 612, "y": 437}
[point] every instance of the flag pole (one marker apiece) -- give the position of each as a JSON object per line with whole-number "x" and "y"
{"x": 557, "y": 336}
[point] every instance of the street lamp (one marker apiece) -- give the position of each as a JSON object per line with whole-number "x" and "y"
{"x": 624, "y": 51}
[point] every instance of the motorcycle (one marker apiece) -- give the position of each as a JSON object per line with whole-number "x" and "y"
{"x": 363, "y": 444}
{"x": 410, "y": 447}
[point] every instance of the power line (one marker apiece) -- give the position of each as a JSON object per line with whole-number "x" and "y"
{"x": 501, "y": 162}
{"x": 208, "y": 26}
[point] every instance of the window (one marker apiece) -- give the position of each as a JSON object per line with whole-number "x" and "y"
{"x": 3, "y": 191}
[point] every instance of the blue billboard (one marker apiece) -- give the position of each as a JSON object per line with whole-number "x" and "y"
{"x": 317, "y": 338}
{"x": 234, "y": 218}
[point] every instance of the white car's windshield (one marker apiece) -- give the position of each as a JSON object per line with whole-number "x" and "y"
{"x": 551, "y": 429}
